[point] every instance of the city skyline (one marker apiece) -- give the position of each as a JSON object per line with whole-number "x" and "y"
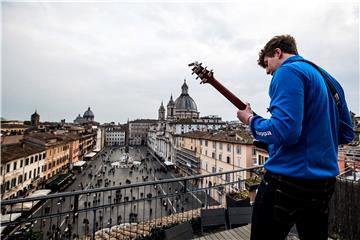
{"x": 123, "y": 59}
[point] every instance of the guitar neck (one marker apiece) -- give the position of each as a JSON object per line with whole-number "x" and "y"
{"x": 229, "y": 95}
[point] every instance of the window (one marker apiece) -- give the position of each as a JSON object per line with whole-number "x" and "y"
{"x": 201, "y": 142}
{"x": 13, "y": 182}
{"x": 31, "y": 159}
{"x": 14, "y": 166}
{"x": 36, "y": 158}
{"x": 44, "y": 155}
{"x": 227, "y": 177}
{"x": 220, "y": 157}
{"x": 206, "y": 143}
{"x": 30, "y": 174}
{"x": 228, "y": 159}
{"x": 213, "y": 170}
{"x": 26, "y": 161}
{"x": 20, "y": 179}
{"x": 213, "y": 155}
{"x": 253, "y": 151}
{"x": 38, "y": 170}
{"x": 220, "y": 146}
{"x": 7, "y": 185}
{"x": 8, "y": 168}
{"x": 238, "y": 149}
{"x": 206, "y": 166}
{"x": 34, "y": 173}
{"x": 238, "y": 161}
{"x": 214, "y": 145}
{"x": 228, "y": 147}
{"x": 25, "y": 177}
{"x": 261, "y": 160}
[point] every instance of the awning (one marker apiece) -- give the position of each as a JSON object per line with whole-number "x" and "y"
{"x": 26, "y": 206}
{"x": 90, "y": 155}
{"x": 7, "y": 217}
{"x": 168, "y": 163}
{"x": 79, "y": 164}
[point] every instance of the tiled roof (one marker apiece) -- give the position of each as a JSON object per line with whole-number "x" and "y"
{"x": 15, "y": 151}
{"x": 14, "y": 126}
{"x": 144, "y": 121}
{"x": 243, "y": 137}
{"x": 196, "y": 121}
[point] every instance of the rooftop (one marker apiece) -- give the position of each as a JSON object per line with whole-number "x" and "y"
{"x": 238, "y": 136}
{"x": 144, "y": 121}
{"x": 19, "y": 150}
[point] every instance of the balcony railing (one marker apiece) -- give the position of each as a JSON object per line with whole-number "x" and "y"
{"x": 131, "y": 211}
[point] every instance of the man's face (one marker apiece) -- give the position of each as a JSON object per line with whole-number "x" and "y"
{"x": 272, "y": 63}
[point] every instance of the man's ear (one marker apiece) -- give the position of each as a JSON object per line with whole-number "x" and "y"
{"x": 279, "y": 53}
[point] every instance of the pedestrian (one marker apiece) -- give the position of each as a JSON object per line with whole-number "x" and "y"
{"x": 308, "y": 121}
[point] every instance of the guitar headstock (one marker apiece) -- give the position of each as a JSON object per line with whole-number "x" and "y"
{"x": 205, "y": 75}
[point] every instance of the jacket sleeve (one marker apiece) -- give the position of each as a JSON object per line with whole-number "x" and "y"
{"x": 287, "y": 109}
{"x": 346, "y": 131}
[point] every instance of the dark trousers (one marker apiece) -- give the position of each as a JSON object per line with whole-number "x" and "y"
{"x": 282, "y": 202}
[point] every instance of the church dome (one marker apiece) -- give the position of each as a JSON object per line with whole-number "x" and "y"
{"x": 184, "y": 101}
{"x": 78, "y": 118}
{"x": 88, "y": 114}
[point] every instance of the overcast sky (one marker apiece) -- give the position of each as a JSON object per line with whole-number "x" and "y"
{"x": 123, "y": 59}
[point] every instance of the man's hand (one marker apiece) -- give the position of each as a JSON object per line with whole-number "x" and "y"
{"x": 245, "y": 115}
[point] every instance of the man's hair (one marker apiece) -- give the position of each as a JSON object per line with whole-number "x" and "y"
{"x": 286, "y": 43}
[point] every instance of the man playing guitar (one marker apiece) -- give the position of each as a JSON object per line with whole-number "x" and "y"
{"x": 309, "y": 119}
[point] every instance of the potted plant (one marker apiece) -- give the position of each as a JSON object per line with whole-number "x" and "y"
{"x": 252, "y": 183}
{"x": 238, "y": 199}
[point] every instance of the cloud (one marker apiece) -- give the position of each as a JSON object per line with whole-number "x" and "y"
{"x": 123, "y": 59}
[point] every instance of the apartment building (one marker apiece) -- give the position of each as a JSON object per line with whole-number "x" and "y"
{"x": 57, "y": 152}
{"x": 138, "y": 131}
{"x": 22, "y": 169}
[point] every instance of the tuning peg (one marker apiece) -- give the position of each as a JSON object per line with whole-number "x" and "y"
{"x": 197, "y": 77}
{"x": 191, "y": 64}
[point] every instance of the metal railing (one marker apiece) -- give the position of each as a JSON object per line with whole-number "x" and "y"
{"x": 125, "y": 210}
{"x": 132, "y": 210}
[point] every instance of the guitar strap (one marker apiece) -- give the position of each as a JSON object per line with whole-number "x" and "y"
{"x": 328, "y": 82}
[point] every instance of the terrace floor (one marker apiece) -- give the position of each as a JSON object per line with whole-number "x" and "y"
{"x": 239, "y": 233}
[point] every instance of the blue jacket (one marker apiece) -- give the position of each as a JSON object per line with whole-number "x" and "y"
{"x": 305, "y": 128}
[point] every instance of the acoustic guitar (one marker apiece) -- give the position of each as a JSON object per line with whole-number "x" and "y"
{"x": 207, "y": 76}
